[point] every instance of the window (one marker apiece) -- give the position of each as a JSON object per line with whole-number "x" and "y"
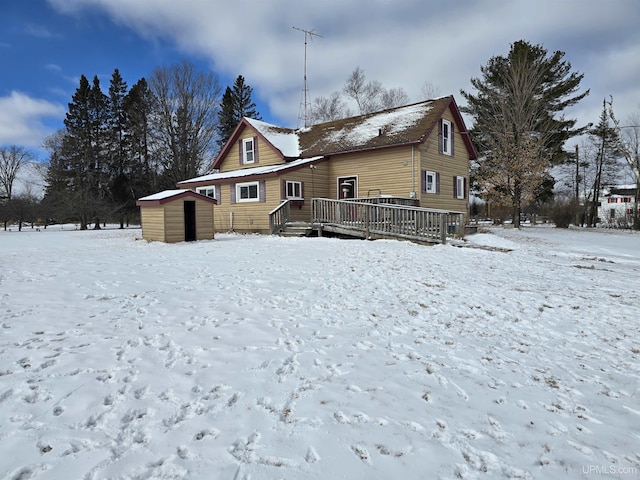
{"x": 208, "y": 192}
{"x": 446, "y": 135}
{"x": 247, "y": 192}
{"x": 294, "y": 190}
{"x": 459, "y": 187}
{"x": 430, "y": 182}
{"x": 248, "y": 150}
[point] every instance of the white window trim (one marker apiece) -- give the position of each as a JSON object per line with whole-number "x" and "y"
{"x": 446, "y": 141}
{"x": 245, "y": 150}
{"x": 239, "y": 187}
{"x": 299, "y": 185}
{"x": 205, "y": 191}
{"x": 433, "y": 188}
{"x": 460, "y": 188}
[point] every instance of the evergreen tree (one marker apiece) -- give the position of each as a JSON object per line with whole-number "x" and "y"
{"x": 607, "y": 142}
{"x": 84, "y": 152}
{"x": 120, "y": 192}
{"x": 236, "y": 103}
{"x": 138, "y": 105}
{"x": 518, "y": 127}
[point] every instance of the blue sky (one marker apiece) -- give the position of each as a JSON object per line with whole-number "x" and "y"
{"x": 45, "y": 45}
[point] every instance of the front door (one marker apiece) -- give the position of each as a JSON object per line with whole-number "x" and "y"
{"x": 189, "y": 221}
{"x": 347, "y": 188}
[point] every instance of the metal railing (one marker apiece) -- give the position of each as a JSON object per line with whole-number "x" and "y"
{"x": 388, "y": 220}
{"x": 279, "y": 217}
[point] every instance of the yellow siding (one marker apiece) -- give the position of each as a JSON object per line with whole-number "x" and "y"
{"x": 152, "y": 219}
{"x": 382, "y": 172}
{"x": 447, "y": 166}
{"x": 266, "y": 154}
{"x": 174, "y": 222}
{"x": 247, "y": 216}
{"x": 254, "y": 216}
{"x": 204, "y": 220}
{"x": 315, "y": 184}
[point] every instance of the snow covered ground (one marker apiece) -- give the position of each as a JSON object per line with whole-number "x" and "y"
{"x": 257, "y": 357}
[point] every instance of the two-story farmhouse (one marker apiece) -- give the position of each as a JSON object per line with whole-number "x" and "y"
{"x": 617, "y": 205}
{"x": 419, "y": 151}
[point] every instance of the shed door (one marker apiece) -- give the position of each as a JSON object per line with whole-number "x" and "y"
{"x": 189, "y": 220}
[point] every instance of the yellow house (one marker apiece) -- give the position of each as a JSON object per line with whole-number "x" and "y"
{"x": 419, "y": 152}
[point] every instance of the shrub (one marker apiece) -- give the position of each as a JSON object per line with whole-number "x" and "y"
{"x": 563, "y": 212}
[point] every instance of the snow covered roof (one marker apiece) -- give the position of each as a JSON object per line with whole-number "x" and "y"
{"x": 284, "y": 139}
{"x": 248, "y": 172}
{"x": 397, "y": 126}
{"x": 406, "y": 125}
{"x": 163, "y": 195}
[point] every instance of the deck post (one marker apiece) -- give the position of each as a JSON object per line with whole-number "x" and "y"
{"x": 366, "y": 220}
{"x": 443, "y": 228}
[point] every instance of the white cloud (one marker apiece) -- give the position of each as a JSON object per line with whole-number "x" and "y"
{"x": 21, "y": 119}
{"x": 401, "y": 44}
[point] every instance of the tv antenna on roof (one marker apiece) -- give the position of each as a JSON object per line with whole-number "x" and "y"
{"x": 303, "y": 113}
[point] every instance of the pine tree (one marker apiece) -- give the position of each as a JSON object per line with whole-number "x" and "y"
{"x": 518, "y": 123}
{"x": 236, "y": 103}
{"x": 119, "y": 157}
{"x": 84, "y": 151}
{"x": 607, "y": 142}
{"x": 138, "y": 105}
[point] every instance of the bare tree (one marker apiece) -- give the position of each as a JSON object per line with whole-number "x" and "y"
{"x": 328, "y": 109}
{"x": 429, "y": 90}
{"x": 186, "y": 118}
{"x": 12, "y": 160}
{"x": 365, "y": 93}
{"x": 393, "y": 97}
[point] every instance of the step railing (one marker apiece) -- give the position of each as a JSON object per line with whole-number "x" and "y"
{"x": 279, "y": 216}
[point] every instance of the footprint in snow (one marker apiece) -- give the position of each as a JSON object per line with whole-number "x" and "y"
{"x": 312, "y": 456}
{"x": 362, "y": 453}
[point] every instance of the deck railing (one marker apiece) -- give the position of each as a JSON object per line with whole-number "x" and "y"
{"x": 279, "y": 216}
{"x": 387, "y": 220}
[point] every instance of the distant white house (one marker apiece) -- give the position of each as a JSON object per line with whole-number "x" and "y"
{"x": 617, "y": 203}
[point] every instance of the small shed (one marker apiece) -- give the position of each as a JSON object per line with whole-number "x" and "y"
{"x": 176, "y": 216}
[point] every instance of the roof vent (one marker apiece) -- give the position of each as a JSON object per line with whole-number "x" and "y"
{"x": 379, "y": 132}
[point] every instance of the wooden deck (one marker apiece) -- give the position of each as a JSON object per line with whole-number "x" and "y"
{"x": 378, "y": 217}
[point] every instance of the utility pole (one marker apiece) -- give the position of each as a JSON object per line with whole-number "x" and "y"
{"x": 577, "y": 177}
{"x": 303, "y": 113}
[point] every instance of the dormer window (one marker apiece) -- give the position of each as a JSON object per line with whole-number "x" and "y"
{"x": 248, "y": 150}
{"x": 446, "y": 136}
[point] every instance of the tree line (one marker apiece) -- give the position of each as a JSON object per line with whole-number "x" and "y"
{"x": 127, "y": 143}
{"x": 124, "y": 143}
